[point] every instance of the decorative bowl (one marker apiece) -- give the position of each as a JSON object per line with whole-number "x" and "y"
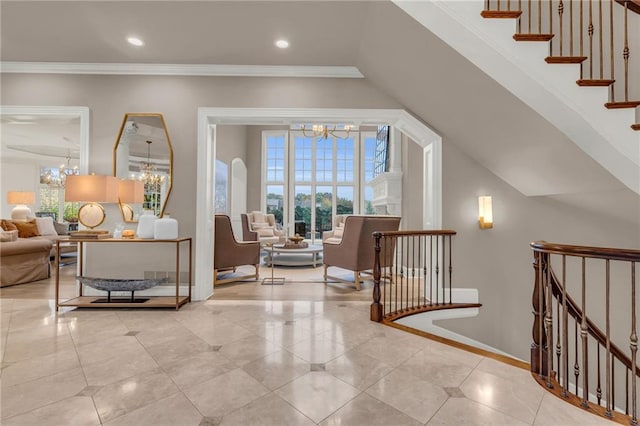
{"x": 296, "y": 239}
{"x": 115, "y": 284}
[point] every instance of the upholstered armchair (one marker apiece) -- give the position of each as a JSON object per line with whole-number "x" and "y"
{"x": 229, "y": 253}
{"x": 258, "y": 226}
{"x": 355, "y": 251}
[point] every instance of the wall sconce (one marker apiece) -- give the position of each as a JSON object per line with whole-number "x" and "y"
{"x": 92, "y": 189}
{"x": 485, "y": 212}
{"x": 21, "y": 199}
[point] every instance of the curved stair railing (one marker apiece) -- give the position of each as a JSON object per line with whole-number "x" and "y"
{"x": 412, "y": 273}
{"x": 571, "y": 355}
{"x": 599, "y": 35}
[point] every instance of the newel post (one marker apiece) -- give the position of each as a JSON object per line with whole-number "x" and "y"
{"x": 538, "y": 347}
{"x": 376, "y": 307}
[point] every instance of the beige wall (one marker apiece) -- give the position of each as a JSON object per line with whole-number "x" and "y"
{"x": 178, "y": 98}
{"x": 231, "y": 143}
{"x": 498, "y": 261}
{"x": 412, "y": 184}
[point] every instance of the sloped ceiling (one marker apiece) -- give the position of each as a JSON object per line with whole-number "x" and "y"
{"x": 473, "y": 111}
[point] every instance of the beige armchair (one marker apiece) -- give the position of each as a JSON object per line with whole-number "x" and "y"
{"x": 355, "y": 251}
{"x": 335, "y": 235}
{"x": 229, "y": 253}
{"x": 258, "y": 226}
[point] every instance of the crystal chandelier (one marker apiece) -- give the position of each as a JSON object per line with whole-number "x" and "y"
{"x": 323, "y": 131}
{"x": 58, "y": 180}
{"x": 147, "y": 170}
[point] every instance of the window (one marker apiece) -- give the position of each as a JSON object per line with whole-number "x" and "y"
{"x": 222, "y": 185}
{"x": 275, "y": 160}
{"x": 51, "y": 197}
{"x": 325, "y": 177}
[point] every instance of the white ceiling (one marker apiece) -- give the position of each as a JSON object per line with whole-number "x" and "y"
{"x": 203, "y": 32}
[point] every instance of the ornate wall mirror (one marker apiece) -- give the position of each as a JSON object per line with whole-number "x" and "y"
{"x": 143, "y": 153}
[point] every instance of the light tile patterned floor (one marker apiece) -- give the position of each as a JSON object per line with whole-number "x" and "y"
{"x": 249, "y": 362}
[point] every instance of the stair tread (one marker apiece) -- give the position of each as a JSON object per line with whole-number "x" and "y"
{"x": 532, "y": 37}
{"x": 501, "y": 14}
{"x": 594, "y": 83}
{"x": 619, "y": 105}
{"x": 565, "y": 59}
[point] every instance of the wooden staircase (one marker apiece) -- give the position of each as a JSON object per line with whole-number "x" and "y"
{"x": 585, "y": 32}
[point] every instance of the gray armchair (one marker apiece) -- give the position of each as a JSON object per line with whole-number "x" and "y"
{"x": 229, "y": 253}
{"x": 355, "y": 251}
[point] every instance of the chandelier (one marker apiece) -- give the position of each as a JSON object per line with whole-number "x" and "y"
{"x": 59, "y": 179}
{"x": 323, "y": 131}
{"x": 148, "y": 173}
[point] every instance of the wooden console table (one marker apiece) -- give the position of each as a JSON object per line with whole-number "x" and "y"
{"x": 152, "y": 302}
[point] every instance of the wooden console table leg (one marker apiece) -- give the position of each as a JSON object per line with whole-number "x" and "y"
{"x": 177, "y": 275}
{"x": 57, "y": 265}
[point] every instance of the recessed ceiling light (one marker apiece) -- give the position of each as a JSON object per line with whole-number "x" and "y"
{"x": 282, "y": 44}
{"x": 135, "y": 41}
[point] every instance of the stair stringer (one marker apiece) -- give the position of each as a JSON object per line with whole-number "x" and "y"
{"x": 551, "y": 90}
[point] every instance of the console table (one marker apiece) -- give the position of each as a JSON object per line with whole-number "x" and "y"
{"x": 97, "y": 301}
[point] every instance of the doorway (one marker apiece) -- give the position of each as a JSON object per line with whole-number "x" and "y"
{"x": 209, "y": 118}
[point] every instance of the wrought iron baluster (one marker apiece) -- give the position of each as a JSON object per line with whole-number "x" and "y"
{"x": 584, "y": 335}
{"x": 634, "y": 346}
{"x": 608, "y": 339}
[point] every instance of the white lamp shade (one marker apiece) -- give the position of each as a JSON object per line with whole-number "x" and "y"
{"x": 485, "y": 212}
{"x": 94, "y": 188}
{"x": 21, "y": 197}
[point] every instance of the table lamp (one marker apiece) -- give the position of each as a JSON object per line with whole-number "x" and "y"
{"x": 92, "y": 189}
{"x": 129, "y": 192}
{"x": 21, "y": 199}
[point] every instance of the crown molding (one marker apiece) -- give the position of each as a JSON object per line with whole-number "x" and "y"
{"x": 180, "y": 69}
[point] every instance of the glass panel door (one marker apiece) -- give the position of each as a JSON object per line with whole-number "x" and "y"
{"x": 323, "y": 211}
{"x": 302, "y": 210}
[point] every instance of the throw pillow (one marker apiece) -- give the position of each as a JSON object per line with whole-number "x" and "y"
{"x": 7, "y": 225}
{"x": 6, "y": 236}
{"x": 261, "y": 225}
{"x": 337, "y": 233}
{"x": 27, "y": 229}
{"x": 45, "y": 226}
{"x": 265, "y": 232}
{"x": 258, "y": 217}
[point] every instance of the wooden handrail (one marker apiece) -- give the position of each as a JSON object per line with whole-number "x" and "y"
{"x": 633, "y": 5}
{"x": 584, "y": 251}
{"x": 420, "y": 266}
{"x": 557, "y": 315}
{"x": 418, "y": 232}
{"x": 593, "y": 329}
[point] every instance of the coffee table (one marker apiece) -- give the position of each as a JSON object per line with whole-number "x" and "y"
{"x": 278, "y": 255}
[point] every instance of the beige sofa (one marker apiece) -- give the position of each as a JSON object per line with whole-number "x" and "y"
{"x": 27, "y": 259}
{"x": 24, "y": 260}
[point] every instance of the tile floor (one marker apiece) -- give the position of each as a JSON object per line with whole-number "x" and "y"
{"x": 248, "y": 362}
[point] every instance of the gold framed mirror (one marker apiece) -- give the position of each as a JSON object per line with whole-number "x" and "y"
{"x": 143, "y": 153}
